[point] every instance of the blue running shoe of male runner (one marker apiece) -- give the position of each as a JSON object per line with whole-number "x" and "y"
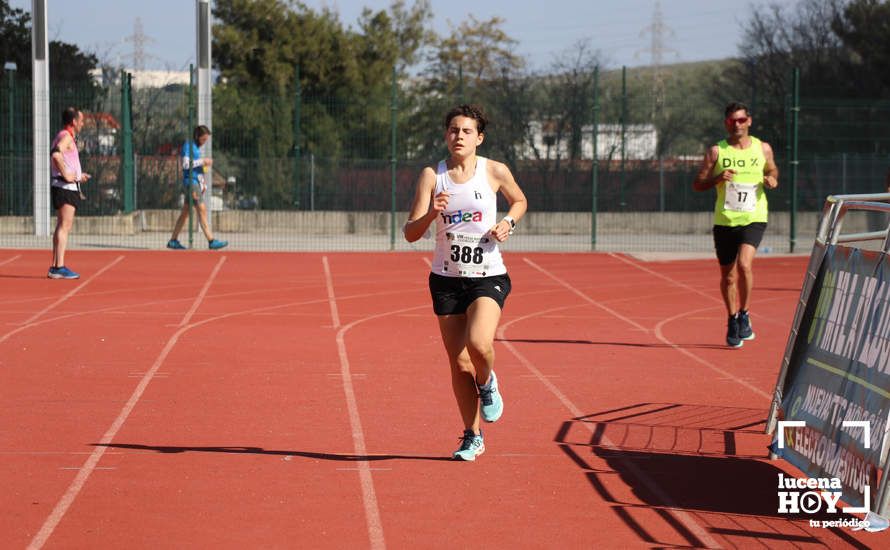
{"x": 175, "y": 244}
{"x": 62, "y": 272}
{"x": 471, "y": 446}
{"x": 216, "y": 244}
{"x": 491, "y": 405}
{"x": 745, "y": 330}
{"x": 732, "y": 332}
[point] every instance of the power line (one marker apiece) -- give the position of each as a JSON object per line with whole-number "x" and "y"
{"x": 139, "y": 39}
{"x": 658, "y": 32}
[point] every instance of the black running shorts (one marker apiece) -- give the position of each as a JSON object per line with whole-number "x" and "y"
{"x": 453, "y": 295}
{"x": 727, "y": 240}
{"x": 61, "y": 197}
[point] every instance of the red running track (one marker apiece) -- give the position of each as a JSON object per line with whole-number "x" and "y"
{"x": 184, "y": 400}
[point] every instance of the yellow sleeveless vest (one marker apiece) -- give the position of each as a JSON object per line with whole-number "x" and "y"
{"x": 748, "y": 164}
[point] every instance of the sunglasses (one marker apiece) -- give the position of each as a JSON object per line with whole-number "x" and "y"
{"x": 740, "y": 120}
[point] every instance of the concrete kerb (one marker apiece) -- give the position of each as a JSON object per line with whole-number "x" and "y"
{"x": 632, "y": 232}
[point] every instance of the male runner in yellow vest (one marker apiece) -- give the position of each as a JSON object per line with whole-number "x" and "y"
{"x": 739, "y": 167}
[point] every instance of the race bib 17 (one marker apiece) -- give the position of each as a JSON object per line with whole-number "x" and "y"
{"x": 740, "y": 197}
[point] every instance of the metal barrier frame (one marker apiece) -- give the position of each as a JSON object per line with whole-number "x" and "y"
{"x": 830, "y": 227}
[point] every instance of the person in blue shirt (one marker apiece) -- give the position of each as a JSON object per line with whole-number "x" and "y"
{"x": 193, "y": 185}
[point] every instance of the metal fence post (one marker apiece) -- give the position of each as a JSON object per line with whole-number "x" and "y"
{"x": 794, "y": 162}
{"x": 40, "y": 119}
{"x": 11, "y": 183}
{"x": 394, "y": 112}
{"x": 298, "y": 100}
{"x": 621, "y": 202}
{"x": 844, "y": 173}
{"x": 127, "y": 163}
{"x": 188, "y": 134}
{"x": 594, "y": 176}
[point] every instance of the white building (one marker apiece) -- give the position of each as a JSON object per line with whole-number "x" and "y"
{"x": 640, "y": 142}
{"x": 148, "y": 79}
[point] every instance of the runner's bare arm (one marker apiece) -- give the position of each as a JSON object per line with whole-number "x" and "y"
{"x": 422, "y": 213}
{"x": 770, "y": 170}
{"x": 504, "y": 182}
{"x": 705, "y": 178}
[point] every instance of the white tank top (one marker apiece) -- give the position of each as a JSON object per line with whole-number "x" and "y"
{"x": 465, "y": 246}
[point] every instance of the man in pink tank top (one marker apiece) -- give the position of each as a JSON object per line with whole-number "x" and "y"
{"x": 65, "y": 188}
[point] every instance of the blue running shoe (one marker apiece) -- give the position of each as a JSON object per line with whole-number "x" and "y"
{"x": 491, "y": 405}
{"x": 175, "y": 244}
{"x": 216, "y": 244}
{"x": 745, "y": 330}
{"x": 733, "y": 339}
{"x": 471, "y": 446}
{"x": 62, "y": 272}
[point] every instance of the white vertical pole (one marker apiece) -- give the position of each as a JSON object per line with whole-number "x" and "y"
{"x": 40, "y": 98}
{"x": 205, "y": 93}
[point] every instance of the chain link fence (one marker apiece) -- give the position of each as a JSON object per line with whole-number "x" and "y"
{"x": 607, "y": 169}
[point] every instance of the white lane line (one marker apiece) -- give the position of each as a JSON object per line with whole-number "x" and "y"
{"x": 369, "y": 494}
{"x": 660, "y": 334}
{"x": 81, "y": 479}
{"x": 672, "y": 280}
{"x": 124, "y": 309}
{"x": 587, "y": 298}
{"x": 10, "y": 260}
{"x": 91, "y": 464}
{"x": 332, "y": 298}
{"x": 666, "y": 278}
{"x": 67, "y": 295}
{"x": 48, "y": 453}
{"x": 188, "y": 316}
{"x": 685, "y": 518}
{"x": 726, "y": 374}
{"x": 658, "y": 328}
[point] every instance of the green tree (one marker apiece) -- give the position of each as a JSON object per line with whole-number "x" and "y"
{"x": 842, "y": 49}
{"x": 67, "y": 63}
{"x": 864, "y": 28}
{"x": 345, "y": 78}
{"x": 399, "y": 31}
{"x": 475, "y": 63}
{"x": 15, "y": 36}
{"x": 569, "y": 94}
{"x": 258, "y": 45}
{"x": 386, "y": 41}
{"x": 69, "y": 67}
{"x": 779, "y": 38}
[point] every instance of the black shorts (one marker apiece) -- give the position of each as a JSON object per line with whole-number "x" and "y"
{"x": 453, "y": 295}
{"x": 61, "y": 197}
{"x": 727, "y": 240}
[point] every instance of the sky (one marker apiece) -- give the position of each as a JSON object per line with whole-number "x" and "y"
{"x": 693, "y": 30}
